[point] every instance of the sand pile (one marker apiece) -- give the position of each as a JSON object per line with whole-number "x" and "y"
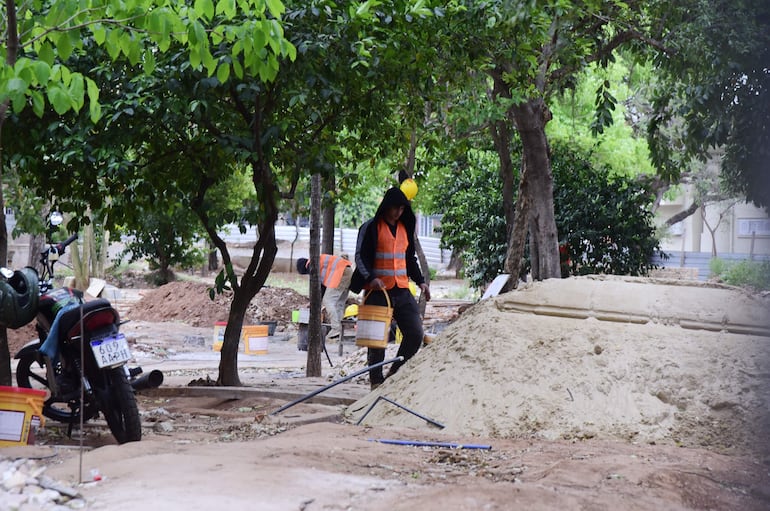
{"x": 610, "y": 358}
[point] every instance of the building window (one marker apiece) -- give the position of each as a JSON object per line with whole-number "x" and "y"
{"x": 753, "y": 226}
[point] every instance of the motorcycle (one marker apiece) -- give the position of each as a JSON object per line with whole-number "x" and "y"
{"x": 80, "y": 355}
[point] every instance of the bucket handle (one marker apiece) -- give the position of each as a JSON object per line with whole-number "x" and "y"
{"x": 387, "y": 298}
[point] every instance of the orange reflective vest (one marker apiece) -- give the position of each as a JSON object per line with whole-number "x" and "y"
{"x": 331, "y": 270}
{"x": 390, "y": 258}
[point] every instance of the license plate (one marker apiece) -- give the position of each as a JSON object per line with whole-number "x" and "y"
{"x": 111, "y": 351}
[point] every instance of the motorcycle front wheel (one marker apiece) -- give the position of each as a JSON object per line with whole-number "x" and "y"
{"x": 32, "y": 375}
{"x": 118, "y": 404}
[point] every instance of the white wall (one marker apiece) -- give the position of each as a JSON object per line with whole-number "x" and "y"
{"x": 731, "y": 222}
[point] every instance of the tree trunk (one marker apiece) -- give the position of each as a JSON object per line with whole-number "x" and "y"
{"x": 328, "y": 212}
{"x": 501, "y": 136}
{"x": 12, "y": 50}
{"x": 517, "y": 241}
{"x": 255, "y": 275}
{"x": 36, "y": 243}
{"x": 423, "y": 303}
{"x": 409, "y": 169}
{"x": 213, "y": 259}
{"x": 314, "y": 340}
{"x": 530, "y": 119}
{"x": 513, "y": 209}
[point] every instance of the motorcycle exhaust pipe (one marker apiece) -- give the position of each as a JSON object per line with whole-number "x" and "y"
{"x": 150, "y": 380}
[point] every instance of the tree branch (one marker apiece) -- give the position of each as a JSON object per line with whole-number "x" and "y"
{"x": 683, "y": 214}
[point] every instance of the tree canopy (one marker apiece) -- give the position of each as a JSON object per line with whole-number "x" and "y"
{"x": 604, "y": 220}
{"x": 714, "y": 92}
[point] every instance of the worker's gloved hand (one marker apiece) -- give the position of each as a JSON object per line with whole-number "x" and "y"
{"x": 377, "y": 283}
{"x": 425, "y": 291}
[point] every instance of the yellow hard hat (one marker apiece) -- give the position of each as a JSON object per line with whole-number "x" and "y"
{"x": 409, "y": 187}
{"x": 351, "y": 311}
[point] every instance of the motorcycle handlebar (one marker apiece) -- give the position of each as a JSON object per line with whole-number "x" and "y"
{"x": 61, "y": 246}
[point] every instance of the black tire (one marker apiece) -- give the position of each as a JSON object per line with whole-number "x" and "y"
{"x": 118, "y": 404}
{"x": 32, "y": 375}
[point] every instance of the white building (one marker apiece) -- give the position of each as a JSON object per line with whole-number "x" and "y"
{"x": 729, "y": 227}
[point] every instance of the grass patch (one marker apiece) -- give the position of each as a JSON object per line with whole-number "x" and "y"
{"x": 747, "y": 274}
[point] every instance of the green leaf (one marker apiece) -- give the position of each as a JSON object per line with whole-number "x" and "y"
{"x": 223, "y": 73}
{"x": 209, "y": 62}
{"x": 59, "y": 99}
{"x": 113, "y": 44}
{"x": 238, "y": 69}
{"x": 18, "y": 102}
{"x": 259, "y": 36}
{"x": 38, "y": 102}
{"x": 42, "y": 71}
{"x": 46, "y": 54}
{"x": 204, "y": 9}
{"x": 16, "y": 86}
{"x": 195, "y": 58}
{"x": 95, "y": 111}
{"x": 99, "y": 33}
{"x": 226, "y": 7}
{"x": 63, "y": 45}
{"x": 76, "y": 91}
{"x": 276, "y": 8}
{"x": 126, "y": 42}
{"x": 148, "y": 64}
{"x": 92, "y": 90}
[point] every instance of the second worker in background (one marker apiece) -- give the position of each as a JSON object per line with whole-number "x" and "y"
{"x": 335, "y": 273}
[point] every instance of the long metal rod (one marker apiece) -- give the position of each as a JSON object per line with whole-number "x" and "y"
{"x": 431, "y": 421}
{"x": 82, "y": 394}
{"x": 327, "y": 354}
{"x": 337, "y": 382}
{"x": 416, "y": 443}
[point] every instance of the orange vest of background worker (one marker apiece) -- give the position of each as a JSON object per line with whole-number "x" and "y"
{"x": 335, "y": 273}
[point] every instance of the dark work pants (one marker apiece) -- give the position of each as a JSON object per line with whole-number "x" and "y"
{"x": 407, "y": 315}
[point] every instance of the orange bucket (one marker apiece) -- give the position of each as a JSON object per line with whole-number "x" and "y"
{"x": 373, "y": 324}
{"x": 255, "y": 339}
{"x": 21, "y": 414}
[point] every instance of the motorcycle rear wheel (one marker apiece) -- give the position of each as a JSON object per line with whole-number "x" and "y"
{"x": 31, "y": 375}
{"x": 117, "y": 402}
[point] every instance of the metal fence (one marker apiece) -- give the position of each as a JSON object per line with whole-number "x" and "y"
{"x": 344, "y": 242}
{"x": 700, "y": 261}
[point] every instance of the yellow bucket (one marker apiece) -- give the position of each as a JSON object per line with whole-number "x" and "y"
{"x": 21, "y": 414}
{"x": 373, "y": 324}
{"x": 255, "y": 339}
{"x": 219, "y": 335}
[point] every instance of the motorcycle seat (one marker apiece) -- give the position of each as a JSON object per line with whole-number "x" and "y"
{"x": 97, "y": 314}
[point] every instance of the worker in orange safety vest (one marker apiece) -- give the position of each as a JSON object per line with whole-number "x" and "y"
{"x": 335, "y": 273}
{"x": 386, "y": 260}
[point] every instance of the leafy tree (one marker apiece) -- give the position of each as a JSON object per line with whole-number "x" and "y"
{"x": 532, "y": 51}
{"x": 622, "y": 146}
{"x": 165, "y": 242}
{"x": 714, "y": 92}
{"x": 605, "y": 220}
{"x": 187, "y": 126}
{"x": 247, "y": 36}
{"x": 469, "y": 194}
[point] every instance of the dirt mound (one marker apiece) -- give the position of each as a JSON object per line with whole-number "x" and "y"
{"x": 190, "y": 303}
{"x": 507, "y": 369}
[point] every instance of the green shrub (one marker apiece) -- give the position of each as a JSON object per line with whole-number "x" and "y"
{"x": 717, "y": 267}
{"x": 750, "y": 274}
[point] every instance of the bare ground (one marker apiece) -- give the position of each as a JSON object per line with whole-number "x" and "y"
{"x": 205, "y": 449}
